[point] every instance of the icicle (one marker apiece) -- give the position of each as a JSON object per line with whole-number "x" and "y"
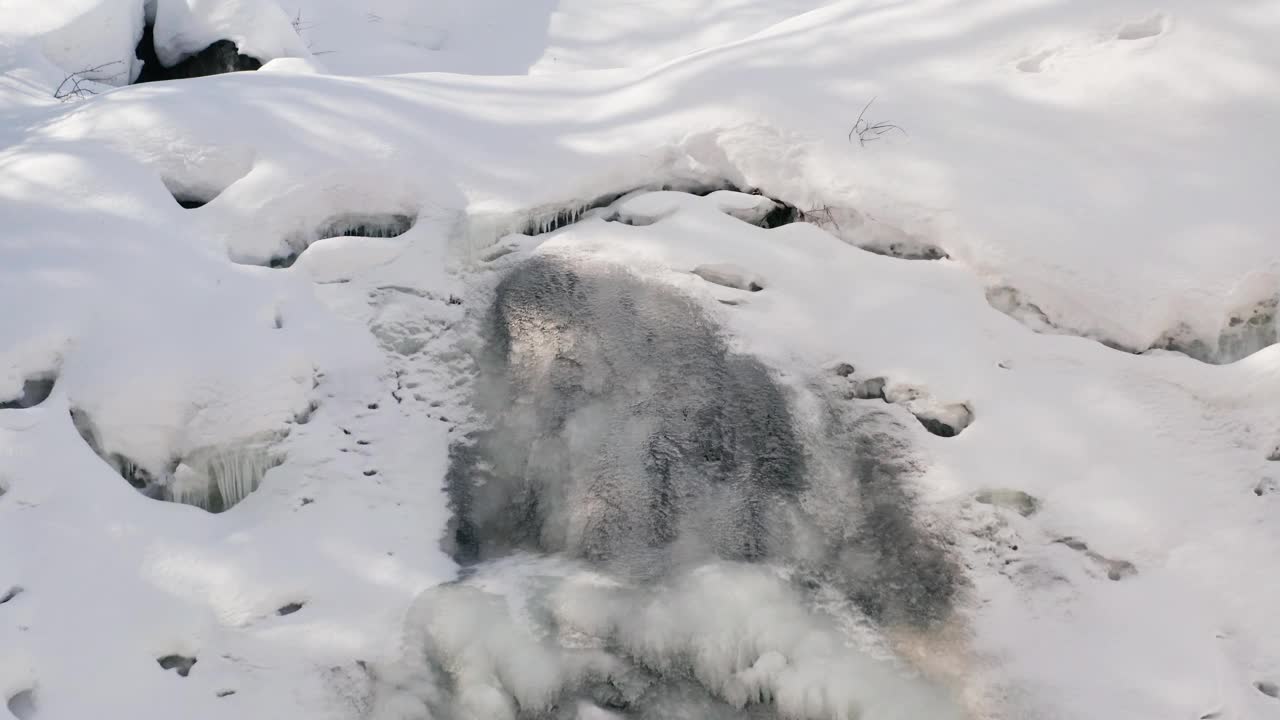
{"x": 240, "y": 473}
{"x": 216, "y": 479}
{"x": 190, "y": 486}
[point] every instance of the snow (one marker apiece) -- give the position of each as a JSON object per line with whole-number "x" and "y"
{"x": 259, "y": 28}
{"x": 1098, "y": 178}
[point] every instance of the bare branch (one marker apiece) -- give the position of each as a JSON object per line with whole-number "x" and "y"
{"x": 73, "y": 84}
{"x": 868, "y": 131}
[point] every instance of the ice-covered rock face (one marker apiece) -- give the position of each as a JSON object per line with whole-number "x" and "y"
{"x": 671, "y": 475}
{"x": 624, "y": 428}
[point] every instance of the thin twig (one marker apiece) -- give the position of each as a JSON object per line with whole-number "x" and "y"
{"x": 867, "y": 131}
{"x": 76, "y": 78}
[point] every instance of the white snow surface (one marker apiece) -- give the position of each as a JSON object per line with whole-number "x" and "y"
{"x": 1111, "y": 164}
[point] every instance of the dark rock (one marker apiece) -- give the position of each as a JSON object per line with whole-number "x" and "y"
{"x": 220, "y": 57}
{"x": 181, "y": 663}
{"x": 289, "y": 609}
{"x": 190, "y": 203}
{"x": 947, "y": 421}
{"x": 34, "y": 391}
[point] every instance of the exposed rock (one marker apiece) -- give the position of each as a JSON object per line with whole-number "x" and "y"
{"x": 289, "y": 609}
{"x": 35, "y": 390}
{"x": 180, "y": 663}
{"x": 220, "y": 57}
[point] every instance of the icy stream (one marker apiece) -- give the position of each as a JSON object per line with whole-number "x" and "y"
{"x": 648, "y": 528}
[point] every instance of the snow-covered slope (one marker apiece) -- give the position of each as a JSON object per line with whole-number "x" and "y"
{"x": 281, "y": 283}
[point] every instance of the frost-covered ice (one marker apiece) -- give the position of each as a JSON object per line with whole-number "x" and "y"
{"x": 1024, "y": 353}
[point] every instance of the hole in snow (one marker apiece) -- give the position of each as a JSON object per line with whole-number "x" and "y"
{"x": 1115, "y": 569}
{"x": 552, "y": 217}
{"x": 946, "y": 421}
{"x": 1266, "y": 486}
{"x": 10, "y": 594}
{"x": 782, "y": 214}
{"x": 1034, "y": 63}
{"x": 219, "y": 57}
{"x": 23, "y": 704}
{"x": 365, "y": 225}
{"x": 1016, "y": 500}
{"x": 35, "y": 390}
{"x": 1268, "y": 688}
{"x": 194, "y": 184}
{"x": 485, "y": 229}
{"x": 212, "y": 478}
{"x": 1142, "y": 29}
{"x": 371, "y": 226}
{"x": 730, "y": 276}
{"x": 549, "y": 220}
{"x": 289, "y": 609}
{"x": 180, "y": 663}
{"x": 225, "y": 693}
{"x": 134, "y": 474}
{"x": 644, "y": 207}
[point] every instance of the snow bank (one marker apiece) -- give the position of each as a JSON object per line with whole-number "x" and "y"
{"x": 259, "y": 28}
